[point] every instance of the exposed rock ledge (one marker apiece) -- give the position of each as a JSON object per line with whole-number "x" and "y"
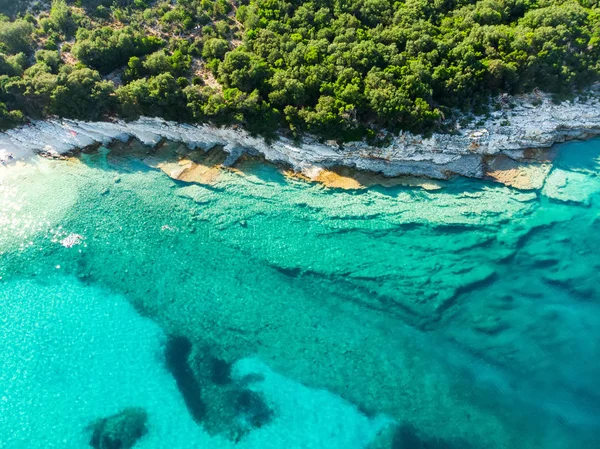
{"x": 505, "y": 147}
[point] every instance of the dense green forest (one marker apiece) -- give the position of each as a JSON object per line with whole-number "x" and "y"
{"x": 340, "y": 69}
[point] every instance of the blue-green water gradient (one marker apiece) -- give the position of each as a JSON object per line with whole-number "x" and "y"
{"x": 468, "y": 313}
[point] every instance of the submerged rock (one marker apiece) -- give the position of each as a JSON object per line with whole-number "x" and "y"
{"x": 219, "y": 405}
{"x": 177, "y": 352}
{"x": 408, "y": 437}
{"x": 120, "y": 431}
{"x": 254, "y": 408}
{"x": 72, "y": 240}
{"x": 509, "y": 172}
{"x": 570, "y": 186}
{"x": 220, "y": 372}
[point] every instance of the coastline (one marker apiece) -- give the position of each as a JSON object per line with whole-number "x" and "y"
{"x": 404, "y": 302}
{"x": 343, "y": 282}
{"x": 511, "y": 146}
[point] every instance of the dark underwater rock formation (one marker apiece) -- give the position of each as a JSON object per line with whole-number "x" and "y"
{"x": 220, "y": 372}
{"x": 120, "y": 431}
{"x": 219, "y": 404}
{"x": 407, "y": 437}
{"x": 254, "y": 409}
{"x": 177, "y": 353}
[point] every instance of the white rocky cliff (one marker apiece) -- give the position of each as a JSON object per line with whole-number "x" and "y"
{"x": 497, "y": 147}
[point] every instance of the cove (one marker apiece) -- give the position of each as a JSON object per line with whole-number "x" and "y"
{"x": 296, "y": 315}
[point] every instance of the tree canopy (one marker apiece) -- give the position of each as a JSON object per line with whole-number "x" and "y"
{"x": 336, "y": 68}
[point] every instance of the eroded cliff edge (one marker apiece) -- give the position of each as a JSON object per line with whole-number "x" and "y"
{"x": 509, "y": 145}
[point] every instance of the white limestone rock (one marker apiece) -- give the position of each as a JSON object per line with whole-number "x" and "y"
{"x": 508, "y": 132}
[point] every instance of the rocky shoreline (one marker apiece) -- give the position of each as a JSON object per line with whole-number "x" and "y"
{"x": 510, "y": 145}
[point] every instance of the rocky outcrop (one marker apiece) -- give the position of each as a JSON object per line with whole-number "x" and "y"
{"x": 517, "y": 126}
{"x": 120, "y": 431}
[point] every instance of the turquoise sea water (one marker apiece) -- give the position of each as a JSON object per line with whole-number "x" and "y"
{"x": 263, "y": 312}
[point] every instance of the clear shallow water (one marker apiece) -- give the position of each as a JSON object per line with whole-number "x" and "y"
{"x": 469, "y": 315}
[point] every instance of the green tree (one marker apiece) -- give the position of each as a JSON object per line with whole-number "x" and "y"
{"x": 9, "y": 118}
{"x": 243, "y": 70}
{"x": 15, "y": 37}
{"x": 106, "y": 49}
{"x": 12, "y": 65}
{"x": 215, "y": 48}
{"x": 82, "y": 94}
{"x": 157, "y": 96}
{"x": 61, "y": 18}
{"x": 49, "y": 57}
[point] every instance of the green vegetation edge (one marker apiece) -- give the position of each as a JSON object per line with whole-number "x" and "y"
{"x": 338, "y": 69}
